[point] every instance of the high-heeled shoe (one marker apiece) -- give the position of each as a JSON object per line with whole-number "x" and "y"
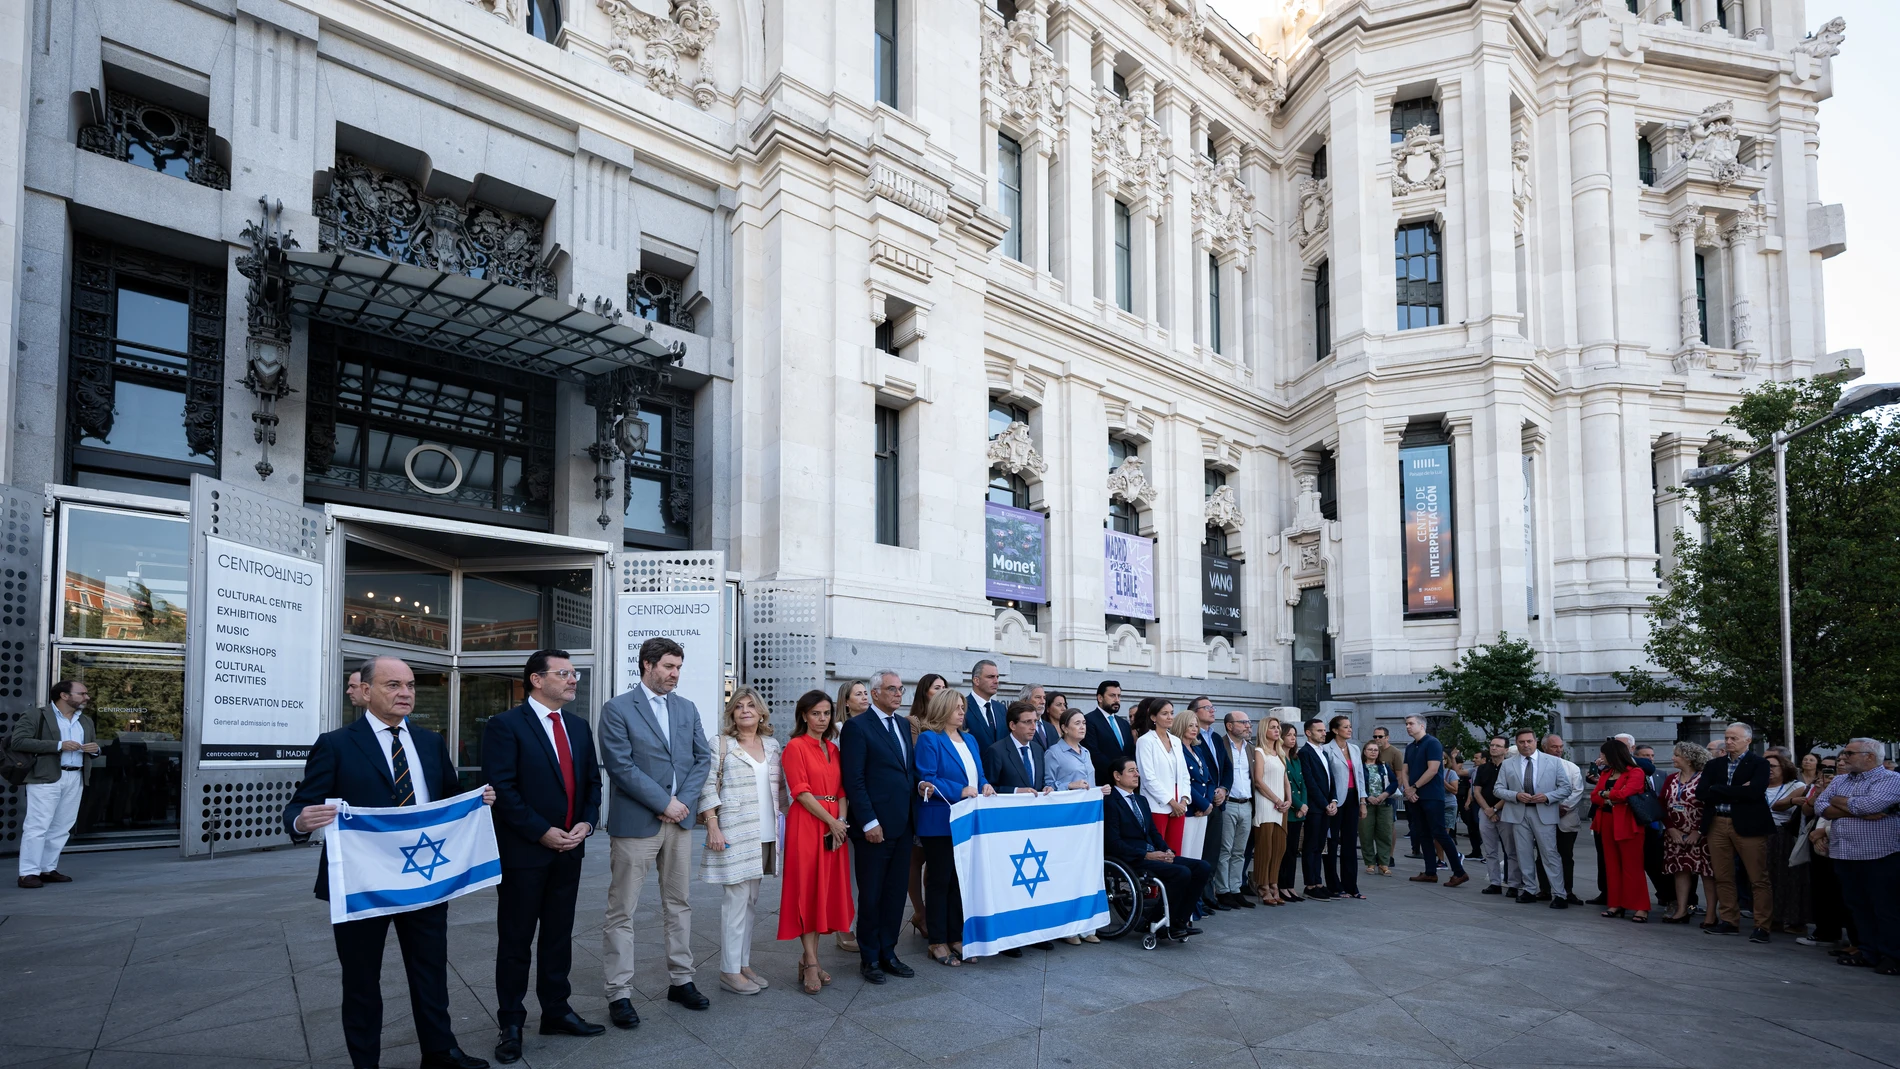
{"x": 917, "y": 922}
{"x": 811, "y": 984}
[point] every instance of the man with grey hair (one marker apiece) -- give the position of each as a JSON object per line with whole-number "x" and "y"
{"x": 985, "y": 715}
{"x": 1237, "y": 817}
{"x": 1736, "y": 822}
{"x": 1864, "y": 847}
{"x": 1210, "y": 750}
{"x": 1572, "y": 801}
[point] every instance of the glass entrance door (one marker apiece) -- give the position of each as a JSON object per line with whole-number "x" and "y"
{"x": 1312, "y": 652}
{"x": 466, "y": 627}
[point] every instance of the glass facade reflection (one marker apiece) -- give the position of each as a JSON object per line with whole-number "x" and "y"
{"x": 138, "y": 709}
{"x": 395, "y": 599}
{"x": 125, "y": 575}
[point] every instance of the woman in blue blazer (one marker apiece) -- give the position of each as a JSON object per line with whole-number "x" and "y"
{"x": 949, "y": 768}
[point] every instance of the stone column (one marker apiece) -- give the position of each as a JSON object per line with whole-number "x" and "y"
{"x": 1036, "y": 203}
{"x": 1740, "y": 234}
{"x": 1591, "y": 188}
{"x": 1684, "y": 227}
{"x": 1142, "y": 244}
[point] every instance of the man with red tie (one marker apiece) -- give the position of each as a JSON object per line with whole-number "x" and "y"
{"x": 540, "y": 760}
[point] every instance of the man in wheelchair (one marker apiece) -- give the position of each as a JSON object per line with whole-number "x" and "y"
{"x": 1130, "y": 837}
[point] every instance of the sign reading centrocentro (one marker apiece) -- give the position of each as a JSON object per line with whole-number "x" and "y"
{"x": 259, "y": 657}
{"x": 692, "y": 620}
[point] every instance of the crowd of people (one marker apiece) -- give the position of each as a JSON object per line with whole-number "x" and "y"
{"x": 846, "y": 801}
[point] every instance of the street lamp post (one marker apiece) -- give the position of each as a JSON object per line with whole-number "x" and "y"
{"x": 1852, "y": 403}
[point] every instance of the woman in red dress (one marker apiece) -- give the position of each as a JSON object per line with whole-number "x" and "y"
{"x": 1622, "y": 833}
{"x": 817, "y": 894}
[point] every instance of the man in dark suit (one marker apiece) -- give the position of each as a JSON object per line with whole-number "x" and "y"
{"x": 383, "y": 760}
{"x": 1321, "y": 806}
{"x": 1109, "y": 735}
{"x": 875, "y": 763}
{"x": 1212, "y": 749}
{"x": 1736, "y": 822}
{"x": 1014, "y": 764}
{"x": 540, "y": 761}
{"x": 985, "y": 714}
{"x": 1129, "y": 836}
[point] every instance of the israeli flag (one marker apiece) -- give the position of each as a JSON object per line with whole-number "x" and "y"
{"x": 1030, "y": 867}
{"x": 392, "y": 859}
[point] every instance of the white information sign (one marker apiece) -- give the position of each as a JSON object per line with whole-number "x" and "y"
{"x": 692, "y": 620}
{"x": 261, "y": 656}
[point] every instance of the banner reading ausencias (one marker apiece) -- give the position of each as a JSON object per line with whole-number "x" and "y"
{"x": 692, "y": 620}
{"x": 259, "y": 659}
{"x": 1430, "y": 570}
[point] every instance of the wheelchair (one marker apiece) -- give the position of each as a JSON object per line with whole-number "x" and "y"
{"x": 1136, "y": 900}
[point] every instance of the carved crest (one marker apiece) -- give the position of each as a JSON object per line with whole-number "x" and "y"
{"x": 1418, "y": 162}
{"x": 1223, "y": 509}
{"x": 1316, "y": 211}
{"x": 1712, "y": 138}
{"x": 1128, "y": 142}
{"x": 1023, "y": 85}
{"x": 1130, "y": 483}
{"x": 1013, "y": 451}
{"x": 660, "y": 46}
{"x": 1223, "y": 205}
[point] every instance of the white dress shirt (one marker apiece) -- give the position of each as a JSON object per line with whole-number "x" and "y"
{"x": 418, "y": 782}
{"x": 657, "y": 703}
{"x": 1241, "y": 789}
{"x": 71, "y": 730}
{"x": 884, "y": 720}
{"x": 546, "y": 716}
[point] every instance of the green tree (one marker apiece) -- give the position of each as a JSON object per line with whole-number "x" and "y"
{"x": 1497, "y": 690}
{"x": 1716, "y": 629}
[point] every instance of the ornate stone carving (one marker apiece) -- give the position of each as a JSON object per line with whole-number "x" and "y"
{"x": 1308, "y": 549}
{"x": 1824, "y": 43}
{"x": 1128, "y": 142}
{"x": 892, "y": 185}
{"x": 1223, "y": 205}
{"x": 659, "y": 46}
{"x": 1712, "y": 138}
{"x": 373, "y": 212}
{"x": 1418, "y": 162}
{"x": 901, "y": 260}
{"x": 1130, "y": 483}
{"x": 1023, "y": 85}
{"x": 1013, "y": 451}
{"x": 1521, "y": 171}
{"x": 1189, "y": 31}
{"x": 267, "y": 345}
{"x": 1223, "y": 509}
{"x": 176, "y": 143}
{"x": 1316, "y": 211}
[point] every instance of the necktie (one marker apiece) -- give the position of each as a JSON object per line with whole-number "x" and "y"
{"x": 566, "y": 755}
{"x": 1029, "y": 767}
{"x": 399, "y": 763}
{"x": 896, "y": 735}
{"x": 1116, "y": 728}
{"x": 989, "y": 713}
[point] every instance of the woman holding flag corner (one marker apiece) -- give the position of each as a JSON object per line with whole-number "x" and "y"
{"x": 948, "y": 769}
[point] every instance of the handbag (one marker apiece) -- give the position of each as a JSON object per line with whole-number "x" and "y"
{"x": 16, "y": 766}
{"x": 1645, "y": 806}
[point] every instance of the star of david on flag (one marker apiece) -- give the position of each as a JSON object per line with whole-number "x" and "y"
{"x": 393, "y": 859}
{"x": 1030, "y": 868}
{"x": 1040, "y": 876}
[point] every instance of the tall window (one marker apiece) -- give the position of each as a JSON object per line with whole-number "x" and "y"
{"x": 1645, "y": 162}
{"x": 1675, "y": 10}
{"x": 1409, "y": 113}
{"x": 1319, "y": 163}
{"x": 1009, "y": 190}
{"x": 1122, "y": 515}
{"x": 544, "y": 19}
{"x": 1215, "y": 542}
{"x": 146, "y": 377}
{"x": 1702, "y": 297}
{"x": 659, "y": 481}
{"x": 1213, "y": 304}
{"x": 886, "y": 46}
{"x": 887, "y": 476}
{"x": 1420, "y": 287}
{"x": 1118, "y": 85}
{"x": 1124, "y": 259}
{"x": 1323, "y": 310}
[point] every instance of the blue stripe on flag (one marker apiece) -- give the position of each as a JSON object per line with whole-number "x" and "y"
{"x": 426, "y": 895}
{"x": 1025, "y": 818}
{"x": 997, "y": 926}
{"x": 414, "y": 820}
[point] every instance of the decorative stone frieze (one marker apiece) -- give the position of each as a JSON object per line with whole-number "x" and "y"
{"x": 1128, "y": 143}
{"x": 661, "y": 46}
{"x": 1315, "y": 212}
{"x": 1223, "y": 510}
{"x": 1130, "y": 483}
{"x": 1418, "y": 162}
{"x": 1223, "y": 206}
{"x": 1189, "y": 30}
{"x": 900, "y": 188}
{"x": 1014, "y": 452}
{"x": 1024, "y": 87}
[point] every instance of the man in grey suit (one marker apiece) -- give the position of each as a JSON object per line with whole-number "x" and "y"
{"x": 1529, "y": 785}
{"x": 655, "y": 754}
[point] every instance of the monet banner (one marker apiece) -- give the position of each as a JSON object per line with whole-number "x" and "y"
{"x": 1129, "y": 575}
{"x": 1220, "y": 593}
{"x": 1426, "y": 501}
{"x": 1014, "y": 554}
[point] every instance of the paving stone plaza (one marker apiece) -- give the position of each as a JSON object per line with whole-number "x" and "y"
{"x": 150, "y": 962}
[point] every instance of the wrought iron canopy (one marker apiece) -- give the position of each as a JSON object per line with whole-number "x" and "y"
{"x": 484, "y": 320}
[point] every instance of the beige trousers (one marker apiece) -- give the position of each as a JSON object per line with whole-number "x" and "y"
{"x": 672, "y": 851}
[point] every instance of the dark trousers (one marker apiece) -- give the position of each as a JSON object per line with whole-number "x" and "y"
{"x": 1664, "y": 883}
{"x": 530, "y": 898}
{"x": 1342, "y": 849}
{"x": 1428, "y": 827}
{"x": 883, "y": 871}
{"x": 1472, "y": 831}
{"x": 1603, "y": 876}
{"x": 943, "y": 897}
{"x": 1210, "y": 848}
{"x": 1319, "y": 828}
{"x": 1183, "y": 879}
{"x": 1871, "y": 892}
{"x": 1830, "y": 911}
{"x": 423, "y": 935}
{"x": 1289, "y": 860}
{"x": 1566, "y": 852}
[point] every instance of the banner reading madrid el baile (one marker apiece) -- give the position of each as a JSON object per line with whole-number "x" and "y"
{"x": 392, "y": 859}
{"x": 1030, "y": 867}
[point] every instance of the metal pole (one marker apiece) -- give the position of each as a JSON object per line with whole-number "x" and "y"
{"x": 1781, "y": 555}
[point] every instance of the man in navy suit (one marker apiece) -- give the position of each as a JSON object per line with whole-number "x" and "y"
{"x": 984, "y": 714}
{"x": 1109, "y": 736}
{"x": 1129, "y": 835}
{"x": 540, "y": 761}
{"x": 1212, "y": 749}
{"x": 383, "y": 760}
{"x": 1014, "y": 764}
{"x": 875, "y": 761}
{"x": 1318, "y": 770}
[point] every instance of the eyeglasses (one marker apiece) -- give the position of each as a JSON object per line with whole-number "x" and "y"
{"x": 565, "y": 673}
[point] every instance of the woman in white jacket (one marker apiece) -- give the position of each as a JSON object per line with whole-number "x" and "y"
{"x": 1163, "y": 767}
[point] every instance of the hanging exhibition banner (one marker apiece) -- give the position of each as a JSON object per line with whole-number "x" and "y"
{"x": 1220, "y": 593}
{"x": 1129, "y": 576}
{"x": 690, "y": 619}
{"x": 1014, "y": 542}
{"x": 258, "y": 653}
{"x": 1426, "y": 503}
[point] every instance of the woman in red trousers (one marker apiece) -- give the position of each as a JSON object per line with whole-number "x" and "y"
{"x": 817, "y": 894}
{"x": 1622, "y": 833}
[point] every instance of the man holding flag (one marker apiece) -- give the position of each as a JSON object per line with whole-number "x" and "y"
{"x": 384, "y": 761}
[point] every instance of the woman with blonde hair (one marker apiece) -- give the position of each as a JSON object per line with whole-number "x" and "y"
{"x": 854, "y": 697}
{"x": 739, "y": 808}
{"x": 929, "y": 685}
{"x": 949, "y": 769}
{"x": 1685, "y": 851}
{"x": 1272, "y": 796}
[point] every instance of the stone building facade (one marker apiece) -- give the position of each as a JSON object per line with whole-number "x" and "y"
{"x": 1385, "y": 326}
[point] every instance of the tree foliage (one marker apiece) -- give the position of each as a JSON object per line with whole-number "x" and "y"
{"x": 1715, "y": 633}
{"x": 1497, "y": 690}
